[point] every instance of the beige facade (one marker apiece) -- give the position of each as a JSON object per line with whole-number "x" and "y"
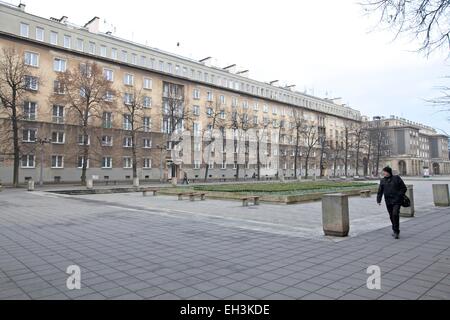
{"x": 55, "y": 45}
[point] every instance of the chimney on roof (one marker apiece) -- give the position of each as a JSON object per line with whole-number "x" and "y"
{"x": 244, "y": 73}
{"x": 93, "y": 25}
{"x": 231, "y": 68}
{"x": 22, "y": 6}
{"x": 63, "y": 19}
{"x": 274, "y": 82}
{"x": 207, "y": 61}
{"x": 291, "y": 87}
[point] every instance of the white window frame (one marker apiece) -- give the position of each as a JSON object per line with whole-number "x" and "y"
{"x": 59, "y": 65}
{"x": 58, "y": 136}
{"x": 103, "y": 51}
{"x": 29, "y": 118}
{"x": 24, "y": 30}
{"x": 127, "y": 163}
{"x": 108, "y": 164}
{"x": 32, "y": 83}
{"x": 67, "y": 41}
{"x": 147, "y": 143}
{"x": 80, "y": 165}
{"x": 28, "y": 157}
{"x": 59, "y": 117}
{"x": 108, "y": 74}
{"x": 128, "y": 79}
{"x": 59, "y": 163}
{"x": 28, "y": 138}
{"x": 147, "y": 163}
{"x": 31, "y": 59}
{"x": 80, "y": 44}
{"x": 148, "y": 83}
{"x": 127, "y": 142}
{"x": 54, "y": 38}
{"x": 40, "y": 34}
{"x": 107, "y": 142}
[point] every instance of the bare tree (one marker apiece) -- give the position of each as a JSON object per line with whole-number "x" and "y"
{"x": 15, "y": 80}
{"x": 136, "y": 119}
{"x": 86, "y": 92}
{"x": 177, "y": 116}
{"x": 335, "y": 154}
{"x": 425, "y": 20}
{"x": 261, "y": 128}
{"x": 360, "y": 135}
{"x": 215, "y": 112}
{"x": 348, "y": 137}
{"x": 297, "y": 128}
{"x": 240, "y": 124}
{"x": 311, "y": 139}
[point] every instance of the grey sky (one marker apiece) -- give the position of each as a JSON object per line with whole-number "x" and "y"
{"x": 324, "y": 46}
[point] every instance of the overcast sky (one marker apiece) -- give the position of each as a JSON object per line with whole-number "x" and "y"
{"x": 327, "y": 47}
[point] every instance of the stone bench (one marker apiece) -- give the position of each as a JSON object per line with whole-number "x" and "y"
{"x": 335, "y": 215}
{"x": 365, "y": 193}
{"x": 192, "y": 195}
{"x": 246, "y": 199}
{"x": 441, "y": 195}
{"x": 153, "y": 190}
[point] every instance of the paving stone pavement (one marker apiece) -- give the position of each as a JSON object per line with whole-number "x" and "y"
{"x": 129, "y": 251}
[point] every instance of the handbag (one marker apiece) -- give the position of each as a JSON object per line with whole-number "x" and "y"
{"x": 406, "y": 202}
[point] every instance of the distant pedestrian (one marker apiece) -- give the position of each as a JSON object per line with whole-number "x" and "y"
{"x": 185, "y": 179}
{"x": 393, "y": 189}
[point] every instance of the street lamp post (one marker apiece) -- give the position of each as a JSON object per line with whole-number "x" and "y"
{"x": 161, "y": 149}
{"x": 42, "y": 142}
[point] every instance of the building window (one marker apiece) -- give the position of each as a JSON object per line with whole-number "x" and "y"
{"x": 58, "y": 137}
{"x": 147, "y": 102}
{"x": 53, "y": 38}
{"x": 222, "y": 99}
{"x": 224, "y": 165}
{"x": 114, "y": 53}
{"x": 57, "y": 162}
{"x": 147, "y": 124}
{"x": 80, "y": 45}
{"x": 28, "y": 161}
{"x": 58, "y": 87}
{"x": 109, "y": 96}
{"x": 31, "y": 83}
{"x": 196, "y": 94}
{"x": 91, "y": 47}
{"x": 107, "y": 162}
{"x": 80, "y": 162}
{"x": 128, "y": 98}
{"x": 127, "y": 122}
{"x": 127, "y": 163}
{"x": 107, "y": 141}
{"x": 147, "y": 163}
{"x": 127, "y": 142}
{"x": 143, "y": 61}
{"x": 29, "y": 135}
{"x": 128, "y": 79}
{"x": 103, "y": 51}
{"x": 148, "y": 83}
{"x": 147, "y": 143}
{"x": 24, "y": 30}
{"x": 210, "y": 96}
{"x": 197, "y": 165}
{"x": 84, "y": 140}
{"x": 39, "y": 34}
{"x": 58, "y": 114}
{"x": 134, "y": 58}
{"x": 108, "y": 74}
{"x": 59, "y": 65}
{"x": 32, "y": 59}
{"x": 29, "y": 110}
{"x": 124, "y": 56}
{"x": 107, "y": 120}
{"x": 67, "y": 42}
{"x": 196, "y": 110}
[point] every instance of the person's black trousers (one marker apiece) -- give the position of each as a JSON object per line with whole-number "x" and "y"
{"x": 394, "y": 214}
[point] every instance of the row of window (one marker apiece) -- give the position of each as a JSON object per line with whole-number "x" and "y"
{"x": 57, "y": 162}
{"x": 176, "y": 69}
{"x": 58, "y": 137}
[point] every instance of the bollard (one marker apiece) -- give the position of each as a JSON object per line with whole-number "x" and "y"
{"x": 30, "y": 185}
{"x": 335, "y": 215}
{"x": 90, "y": 184}
{"x": 440, "y": 195}
{"x": 409, "y": 212}
{"x": 174, "y": 182}
{"x": 135, "y": 182}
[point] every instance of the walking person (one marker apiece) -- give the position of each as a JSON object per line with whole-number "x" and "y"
{"x": 393, "y": 189}
{"x": 185, "y": 179}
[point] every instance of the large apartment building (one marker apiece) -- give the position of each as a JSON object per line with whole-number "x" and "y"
{"x": 51, "y": 46}
{"x": 410, "y": 148}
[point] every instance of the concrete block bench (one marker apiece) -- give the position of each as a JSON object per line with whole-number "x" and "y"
{"x": 192, "y": 195}
{"x": 441, "y": 195}
{"x": 246, "y": 199}
{"x": 365, "y": 193}
{"x": 155, "y": 191}
{"x": 335, "y": 215}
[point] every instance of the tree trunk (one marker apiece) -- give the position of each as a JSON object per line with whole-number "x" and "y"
{"x": 134, "y": 154}
{"x": 85, "y": 155}
{"x": 258, "y": 161}
{"x": 306, "y": 166}
{"x": 15, "y": 126}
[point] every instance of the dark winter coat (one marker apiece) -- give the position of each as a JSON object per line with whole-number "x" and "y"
{"x": 393, "y": 189}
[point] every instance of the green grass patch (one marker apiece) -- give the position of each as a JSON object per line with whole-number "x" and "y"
{"x": 293, "y": 188}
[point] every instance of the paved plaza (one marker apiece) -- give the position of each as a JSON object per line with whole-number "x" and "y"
{"x": 134, "y": 247}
